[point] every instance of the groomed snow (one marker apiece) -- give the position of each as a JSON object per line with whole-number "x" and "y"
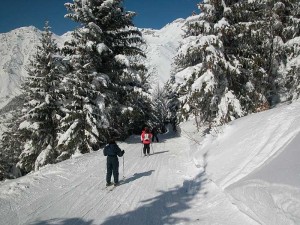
{"x": 165, "y": 188}
{"x": 244, "y": 173}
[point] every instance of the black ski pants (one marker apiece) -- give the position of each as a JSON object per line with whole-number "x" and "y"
{"x": 155, "y": 136}
{"x": 112, "y": 168}
{"x": 146, "y": 148}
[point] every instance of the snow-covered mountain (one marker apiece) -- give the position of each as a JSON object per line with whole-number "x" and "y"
{"x": 19, "y": 45}
{"x": 16, "y": 49}
{"x": 161, "y": 47}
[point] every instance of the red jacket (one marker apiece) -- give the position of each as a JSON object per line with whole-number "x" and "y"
{"x": 146, "y": 137}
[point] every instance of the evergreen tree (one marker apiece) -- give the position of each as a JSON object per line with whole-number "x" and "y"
{"x": 85, "y": 120}
{"x": 42, "y": 107}
{"x": 173, "y": 103}
{"x": 247, "y": 43}
{"x": 233, "y": 58}
{"x": 259, "y": 35}
{"x": 160, "y": 107}
{"x": 287, "y": 31}
{"x": 33, "y": 131}
{"x": 203, "y": 71}
{"x": 11, "y": 147}
{"x": 104, "y": 81}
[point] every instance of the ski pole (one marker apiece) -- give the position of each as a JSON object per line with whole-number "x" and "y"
{"x": 152, "y": 148}
{"x": 123, "y": 168}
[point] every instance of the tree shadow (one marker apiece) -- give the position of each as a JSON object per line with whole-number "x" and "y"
{"x": 133, "y": 139}
{"x": 164, "y": 208}
{"x": 69, "y": 221}
{"x": 170, "y": 134}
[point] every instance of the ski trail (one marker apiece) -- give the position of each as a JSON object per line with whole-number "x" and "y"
{"x": 163, "y": 188}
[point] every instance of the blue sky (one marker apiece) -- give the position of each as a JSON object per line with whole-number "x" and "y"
{"x": 150, "y": 13}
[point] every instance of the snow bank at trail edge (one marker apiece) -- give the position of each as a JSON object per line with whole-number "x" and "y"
{"x": 255, "y": 159}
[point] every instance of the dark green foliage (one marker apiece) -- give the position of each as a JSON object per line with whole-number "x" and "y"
{"x": 41, "y": 110}
{"x": 11, "y": 147}
{"x": 30, "y": 138}
{"x": 160, "y": 105}
{"x": 104, "y": 80}
{"x": 235, "y": 52}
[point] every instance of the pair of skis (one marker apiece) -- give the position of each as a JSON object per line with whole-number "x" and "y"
{"x": 112, "y": 186}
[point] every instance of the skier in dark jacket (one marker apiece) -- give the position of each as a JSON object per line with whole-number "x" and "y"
{"x": 154, "y": 134}
{"x": 112, "y": 151}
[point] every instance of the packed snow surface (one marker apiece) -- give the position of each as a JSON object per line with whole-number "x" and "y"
{"x": 244, "y": 173}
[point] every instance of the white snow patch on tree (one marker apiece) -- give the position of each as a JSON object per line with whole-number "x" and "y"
{"x": 122, "y": 59}
{"x": 66, "y": 137}
{"x": 207, "y": 78}
{"x": 41, "y": 160}
{"x": 101, "y": 48}
{"x": 229, "y": 100}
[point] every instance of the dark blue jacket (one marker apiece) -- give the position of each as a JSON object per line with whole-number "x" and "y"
{"x": 112, "y": 150}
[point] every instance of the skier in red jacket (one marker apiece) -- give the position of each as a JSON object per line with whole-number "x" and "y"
{"x": 146, "y": 137}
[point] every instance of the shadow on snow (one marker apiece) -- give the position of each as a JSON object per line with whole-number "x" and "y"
{"x": 137, "y": 176}
{"x": 162, "y": 208}
{"x": 69, "y": 221}
{"x": 155, "y": 153}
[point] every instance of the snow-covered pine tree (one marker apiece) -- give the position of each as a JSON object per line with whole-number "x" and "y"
{"x": 160, "y": 107}
{"x": 103, "y": 80}
{"x": 203, "y": 72}
{"x": 173, "y": 103}
{"x": 33, "y": 133}
{"x": 287, "y": 13}
{"x": 287, "y": 31}
{"x": 129, "y": 84}
{"x": 85, "y": 120}
{"x": 10, "y": 142}
{"x": 242, "y": 55}
{"x": 11, "y": 147}
{"x": 260, "y": 31}
{"x": 248, "y": 47}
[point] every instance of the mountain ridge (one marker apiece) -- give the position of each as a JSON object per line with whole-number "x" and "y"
{"x": 19, "y": 45}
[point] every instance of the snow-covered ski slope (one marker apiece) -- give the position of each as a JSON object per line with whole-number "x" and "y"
{"x": 246, "y": 173}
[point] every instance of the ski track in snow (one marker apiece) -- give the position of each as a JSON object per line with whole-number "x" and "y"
{"x": 164, "y": 188}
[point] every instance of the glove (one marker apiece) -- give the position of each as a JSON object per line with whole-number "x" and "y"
{"x": 123, "y": 152}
